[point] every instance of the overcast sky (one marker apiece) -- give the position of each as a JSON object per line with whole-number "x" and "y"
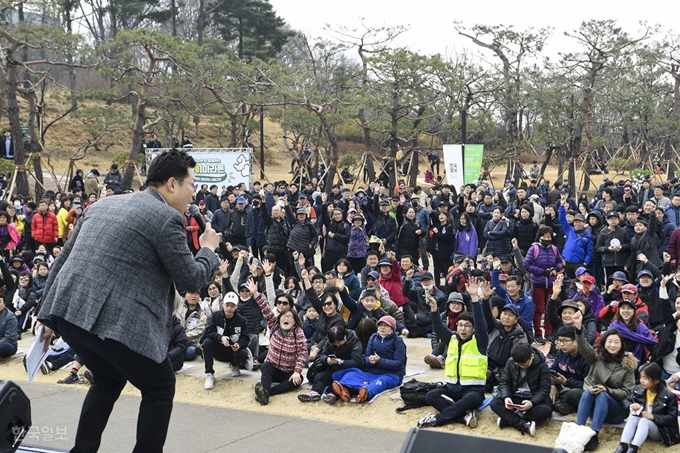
{"x": 431, "y": 22}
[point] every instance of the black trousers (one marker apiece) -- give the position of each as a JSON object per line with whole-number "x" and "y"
{"x": 329, "y": 261}
{"x": 540, "y": 412}
{"x": 212, "y": 351}
{"x": 114, "y": 364}
{"x": 270, "y": 373}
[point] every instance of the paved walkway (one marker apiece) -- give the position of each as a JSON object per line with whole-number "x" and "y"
{"x": 199, "y": 429}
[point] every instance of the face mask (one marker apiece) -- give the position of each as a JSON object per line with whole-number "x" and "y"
{"x": 415, "y": 204}
{"x": 546, "y": 242}
{"x": 17, "y": 204}
{"x": 428, "y": 287}
{"x": 243, "y": 299}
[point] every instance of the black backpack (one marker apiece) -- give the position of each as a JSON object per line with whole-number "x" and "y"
{"x": 413, "y": 393}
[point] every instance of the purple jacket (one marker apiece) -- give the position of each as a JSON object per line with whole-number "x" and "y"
{"x": 538, "y": 259}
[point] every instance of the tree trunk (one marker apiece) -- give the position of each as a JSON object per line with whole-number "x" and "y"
{"x": 15, "y": 126}
{"x": 335, "y": 148}
{"x": 137, "y": 139}
{"x": 35, "y": 146}
{"x": 233, "y": 130}
{"x": 200, "y": 22}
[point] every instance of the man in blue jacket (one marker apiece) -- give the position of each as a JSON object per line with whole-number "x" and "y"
{"x": 578, "y": 248}
{"x": 512, "y": 293}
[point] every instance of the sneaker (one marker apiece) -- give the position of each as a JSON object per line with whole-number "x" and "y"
{"x": 472, "y": 418}
{"x": 526, "y": 427}
{"x": 209, "y": 381}
{"x": 362, "y": 396}
{"x": 70, "y": 379}
{"x": 309, "y": 396}
{"x": 502, "y": 423}
{"x": 250, "y": 363}
{"x": 261, "y": 395}
{"x": 45, "y": 368}
{"x": 235, "y": 372}
{"x": 592, "y": 444}
{"x": 539, "y": 339}
{"x": 256, "y": 365}
{"x": 563, "y": 408}
{"x": 341, "y": 391}
{"x": 329, "y": 398}
{"x": 434, "y": 361}
{"x": 428, "y": 421}
{"x": 88, "y": 375}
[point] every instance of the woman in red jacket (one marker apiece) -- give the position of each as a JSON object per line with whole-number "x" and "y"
{"x": 390, "y": 279}
{"x": 44, "y": 227}
{"x": 192, "y": 229}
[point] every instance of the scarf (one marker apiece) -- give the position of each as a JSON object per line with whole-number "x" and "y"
{"x": 641, "y": 336}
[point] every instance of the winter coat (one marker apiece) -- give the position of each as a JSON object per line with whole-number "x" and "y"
{"x": 393, "y": 284}
{"x": 278, "y": 232}
{"x": 668, "y": 229}
{"x": 485, "y": 213}
{"x": 578, "y": 247}
{"x": 467, "y": 242}
{"x": 8, "y": 326}
{"x": 604, "y": 241}
{"x": 442, "y": 242}
{"x": 179, "y": 343}
{"x": 358, "y": 242}
{"x": 525, "y": 306}
{"x": 501, "y": 341}
{"x": 618, "y": 378}
{"x": 303, "y": 237}
{"x": 644, "y": 243}
{"x": 236, "y": 225}
{"x": 14, "y": 236}
{"x": 574, "y": 369}
{"x": 666, "y": 345}
{"x": 192, "y": 235}
{"x": 385, "y": 227}
{"x": 350, "y": 352}
{"x": 194, "y": 324}
{"x": 45, "y": 228}
{"x": 558, "y": 233}
{"x": 525, "y": 232}
{"x": 408, "y": 242}
{"x": 673, "y": 214}
{"x": 220, "y": 220}
{"x": 358, "y": 312}
{"x": 338, "y": 243}
{"x": 287, "y": 353}
{"x": 255, "y": 227}
{"x": 664, "y": 410}
{"x": 589, "y": 323}
{"x": 538, "y": 262}
{"x": 324, "y": 323}
{"x": 660, "y": 309}
{"x": 497, "y": 236}
{"x": 537, "y": 377}
{"x": 392, "y": 352}
{"x": 236, "y": 328}
{"x": 674, "y": 245}
{"x": 352, "y": 284}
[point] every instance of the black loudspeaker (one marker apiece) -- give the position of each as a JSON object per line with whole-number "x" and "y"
{"x": 15, "y": 416}
{"x": 430, "y": 441}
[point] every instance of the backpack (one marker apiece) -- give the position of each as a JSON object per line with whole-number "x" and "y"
{"x": 413, "y": 393}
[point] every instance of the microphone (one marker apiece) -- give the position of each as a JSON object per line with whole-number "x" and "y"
{"x": 196, "y": 214}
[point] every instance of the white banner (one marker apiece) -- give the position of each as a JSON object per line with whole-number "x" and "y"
{"x": 221, "y": 166}
{"x": 453, "y": 162}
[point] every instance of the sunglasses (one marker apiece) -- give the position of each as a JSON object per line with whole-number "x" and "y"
{"x": 282, "y": 302}
{"x": 25, "y": 279}
{"x": 327, "y": 304}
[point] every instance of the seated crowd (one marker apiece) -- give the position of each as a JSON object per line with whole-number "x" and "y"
{"x": 547, "y": 303}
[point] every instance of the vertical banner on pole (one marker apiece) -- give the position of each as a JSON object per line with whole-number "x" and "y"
{"x": 473, "y": 162}
{"x": 453, "y": 161}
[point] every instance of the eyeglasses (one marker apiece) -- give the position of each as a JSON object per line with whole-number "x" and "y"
{"x": 327, "y": 304}
{"x": 563, "y": 342}
{"x": 465, "y": 325}
{"x": 288, "y": 316}
{"x": 282, "y": 302}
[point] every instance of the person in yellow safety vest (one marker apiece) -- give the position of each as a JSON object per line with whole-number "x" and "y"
{"x": 465, "y": 366}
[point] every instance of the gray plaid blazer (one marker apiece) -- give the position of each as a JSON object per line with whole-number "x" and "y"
{"x": 117, "y": 273}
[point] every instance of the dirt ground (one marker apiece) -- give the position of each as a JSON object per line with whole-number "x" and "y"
{"x": 238, "y": 394}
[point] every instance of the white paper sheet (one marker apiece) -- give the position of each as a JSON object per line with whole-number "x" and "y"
{"x": 36, "y": 356}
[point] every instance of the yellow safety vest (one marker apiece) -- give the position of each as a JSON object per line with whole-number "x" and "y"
{"x": 471, "y": 364}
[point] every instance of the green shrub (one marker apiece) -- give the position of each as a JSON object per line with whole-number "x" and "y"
{"x": 621, "y": 165}
{"x": 348, "y": 160}
{"x": 639, "y": 174}
{"x": 120, "y": 158}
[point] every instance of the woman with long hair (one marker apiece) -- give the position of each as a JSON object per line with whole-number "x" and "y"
{"x": 610, "y": 381}
{"x": 637, "y": 338}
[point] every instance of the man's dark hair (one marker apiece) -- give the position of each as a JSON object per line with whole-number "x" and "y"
{"x": 521, "y": 352}
{"x": 214, "y": 186}
{"x": 567, "y": 332}
{"x": 512, "y": 278}
{"x": 271, "y": 257}
{"x": 467, "y": 316}
{"x": 373, "y": 252}
{"x": 407, "y": 256}
{"x": 169, "y": 164}
{"x": 544, "y": 230}
{"x": 318, "y": 277}
{"x": 609, "y": 191}
{"x": 31, "y": 205}
{"x": 337, "y": 333}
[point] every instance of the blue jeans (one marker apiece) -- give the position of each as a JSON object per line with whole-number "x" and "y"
{"x": 7, "y": 349}
{"x": 190, "y": 354}
{"x": 600, "y": 408}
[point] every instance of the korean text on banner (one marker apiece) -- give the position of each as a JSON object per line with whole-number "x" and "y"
{"x": 473, "y": 162}
{"x": 453, "y": 160}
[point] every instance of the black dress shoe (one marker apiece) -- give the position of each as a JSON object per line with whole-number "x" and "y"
{"x": 623, "y": 448}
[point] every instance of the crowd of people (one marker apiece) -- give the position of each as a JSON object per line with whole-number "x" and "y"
{"x": 492, "y": 277}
